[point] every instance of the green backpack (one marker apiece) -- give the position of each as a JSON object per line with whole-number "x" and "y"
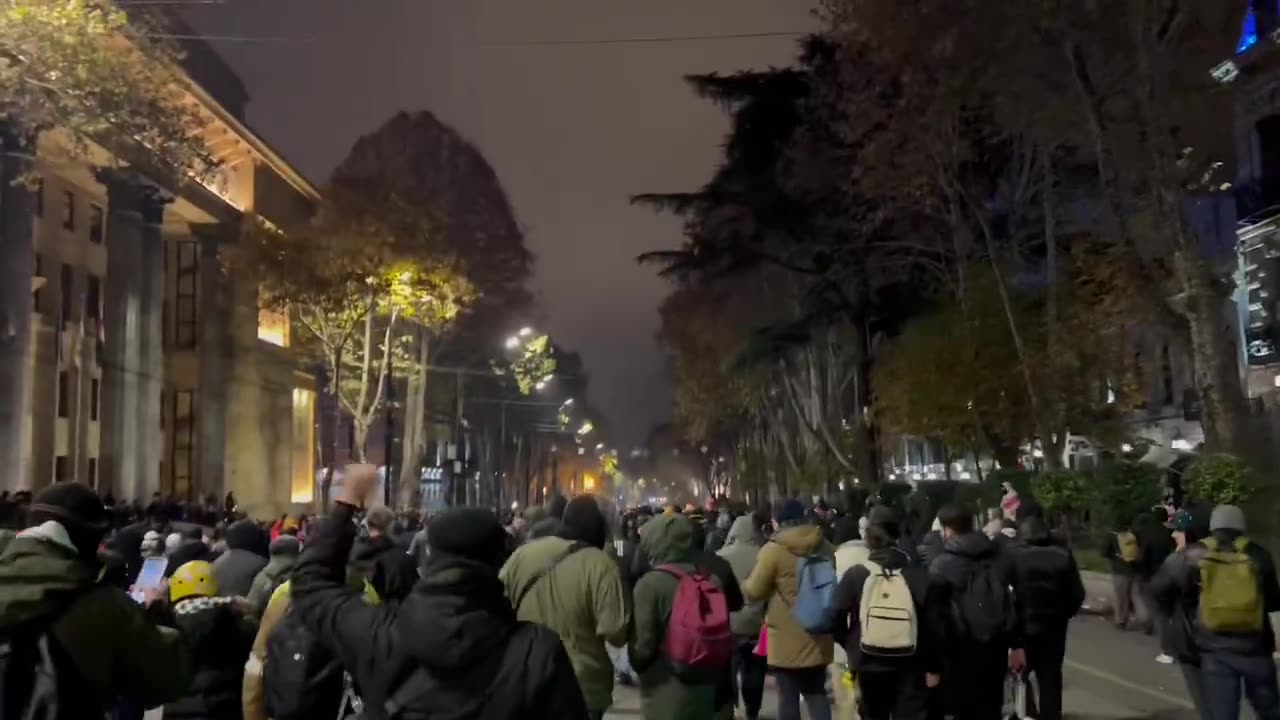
{"x": 1230, "y": 599}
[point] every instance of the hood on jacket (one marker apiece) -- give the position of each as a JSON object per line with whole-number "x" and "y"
{"x": 246, "y": 535}
{"x": 34, "y": 573}
{"x": 457, "y": 616}
{"x": 744, "y": 530}
{"x": 800, "y": 540}
{"x": 667, "y": 539}
{"x": 1033, "y": 531}
{"x": 972, "y": 545}
{"x": 286, "y": 545}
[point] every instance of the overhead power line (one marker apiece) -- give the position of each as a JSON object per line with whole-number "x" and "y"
{"x": 649, "y": 40}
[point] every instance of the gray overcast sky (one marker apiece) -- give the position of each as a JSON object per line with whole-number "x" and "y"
{"x": 572, "y": 131}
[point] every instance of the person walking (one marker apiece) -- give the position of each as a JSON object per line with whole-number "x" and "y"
{"x": 983, "y": 637}
{"x": 377, "y": 563}
{"x": 1233, "y": 582}
{"x": 454, "y": 647}
{"x": 571, "y": 585}
{"x": 892, "y": 632}
{"x": 248, "y": 546}
{"x": 1156, "y": 540}
{"x": 797, "y": 658}
{"x": 1048, "y": 592}
{"x": 284, "y": 555}
{"x": 741, "y": 548}
{"x": 48, "y": 587}
{"x": 1179, "y": 601}
{"x": 1123, "y": 552}
{"x": 220, "y": 635}
{"x": 670, "y": 691}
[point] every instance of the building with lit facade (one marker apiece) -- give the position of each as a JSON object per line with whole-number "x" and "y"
{"x": 150, "y": 366}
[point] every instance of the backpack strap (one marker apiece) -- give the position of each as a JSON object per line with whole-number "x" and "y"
{"x": 673, "y": 571}
{"x": 545, "y": 571}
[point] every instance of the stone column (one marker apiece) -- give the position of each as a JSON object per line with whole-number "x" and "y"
{"x": 216, "y": 355}
{"x": 17, "y": 263}
{"x": 133, "y": 354}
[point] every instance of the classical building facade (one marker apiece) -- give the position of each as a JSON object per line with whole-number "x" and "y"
{"x": 150, "y": 367}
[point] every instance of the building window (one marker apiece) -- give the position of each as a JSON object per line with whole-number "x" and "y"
{"x": 273, "y": 326}
{"x": 93, "y": 298}
{"x": 95, "y": 387}
{"x": 64, "y": 392}
{"x": 61, "y": 466}
{"x": 184, "y": 423}
{"x": 39, "y": 197}
{"x": 65, "y": 280}
{"x": 97, "y": 224}
{"x": 93, "y": 473}
{"x": 303, "y": 447}
{"x": 69, "y": 210}
{"x": 185, "y": 310}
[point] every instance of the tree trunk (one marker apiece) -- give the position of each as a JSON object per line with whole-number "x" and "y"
{"x": 361, "y": 432}
{"x": 413, "y": 445}
{"x": 1216, "y": 371}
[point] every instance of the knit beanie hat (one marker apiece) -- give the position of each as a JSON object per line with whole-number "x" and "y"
{"x": 583, "y": 520}
{"x": 470, "y": 533}
{"x": 792, "y": 511}
{"x": 1227, "y": 517}
{"x": 80, "y": 512}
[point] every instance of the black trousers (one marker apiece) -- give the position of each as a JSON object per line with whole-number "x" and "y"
{"x": 1045, "y": 653}
{"x": 893, "y": 695}
{"x": 974, "y": 681}
{"x": 749, "y": 671}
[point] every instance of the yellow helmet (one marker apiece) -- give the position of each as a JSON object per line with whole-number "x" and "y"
{"x": 193, "y": 579}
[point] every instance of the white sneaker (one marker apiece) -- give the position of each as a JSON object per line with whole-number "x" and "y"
{"x": 1164, "y": 659}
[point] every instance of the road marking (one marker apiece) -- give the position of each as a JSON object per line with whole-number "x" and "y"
{"x": 1111, "y": 677}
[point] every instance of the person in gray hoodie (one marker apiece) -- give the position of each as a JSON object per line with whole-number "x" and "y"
{"x": 741, "y": 546}
{"x": 284, "y": 555}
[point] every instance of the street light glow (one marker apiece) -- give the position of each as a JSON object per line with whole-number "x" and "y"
{"x": 526, "y": 331}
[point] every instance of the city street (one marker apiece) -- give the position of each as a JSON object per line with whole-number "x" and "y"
{"x": 1109, "y": 675}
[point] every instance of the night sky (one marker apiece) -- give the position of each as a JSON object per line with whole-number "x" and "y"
{"x": 572, "y": 130}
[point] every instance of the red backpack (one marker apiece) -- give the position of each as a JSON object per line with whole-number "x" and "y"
{"x": 698, "y": 637}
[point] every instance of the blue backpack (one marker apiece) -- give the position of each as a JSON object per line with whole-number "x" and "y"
{"x": 815, "y": 594}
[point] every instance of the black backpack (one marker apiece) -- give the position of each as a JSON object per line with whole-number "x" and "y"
{"x": 301, "y": 678}
{"x": 37, "y": 678}
{"x": 983, "y": 609}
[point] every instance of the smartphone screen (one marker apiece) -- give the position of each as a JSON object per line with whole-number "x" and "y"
{"x": 151, "y": 575}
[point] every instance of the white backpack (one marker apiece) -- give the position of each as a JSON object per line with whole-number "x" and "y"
{"x": 887, "y": 613}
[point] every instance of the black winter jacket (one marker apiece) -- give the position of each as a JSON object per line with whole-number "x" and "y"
{"x": 388, "y": 567}
{"x": 962, "y": 558}
{"x": 930, "y": 617}
{"x": 930, "y": 548}
{"x": 220, "y": 639}
{"x": 455, "y": 639}
{"x": 1047, "y": 588}
{"x": 1177, "y": 584}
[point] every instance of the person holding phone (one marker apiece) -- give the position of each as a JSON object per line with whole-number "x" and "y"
{"x": 49, "y": 584}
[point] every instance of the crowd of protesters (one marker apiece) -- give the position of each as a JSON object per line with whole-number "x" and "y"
{"x": 366, "y": 613}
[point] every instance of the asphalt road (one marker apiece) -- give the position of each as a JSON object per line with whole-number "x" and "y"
{"x": 1109, "y": 675}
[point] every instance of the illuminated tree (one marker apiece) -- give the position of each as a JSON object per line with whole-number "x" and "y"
{"x": 358, "y": 280}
